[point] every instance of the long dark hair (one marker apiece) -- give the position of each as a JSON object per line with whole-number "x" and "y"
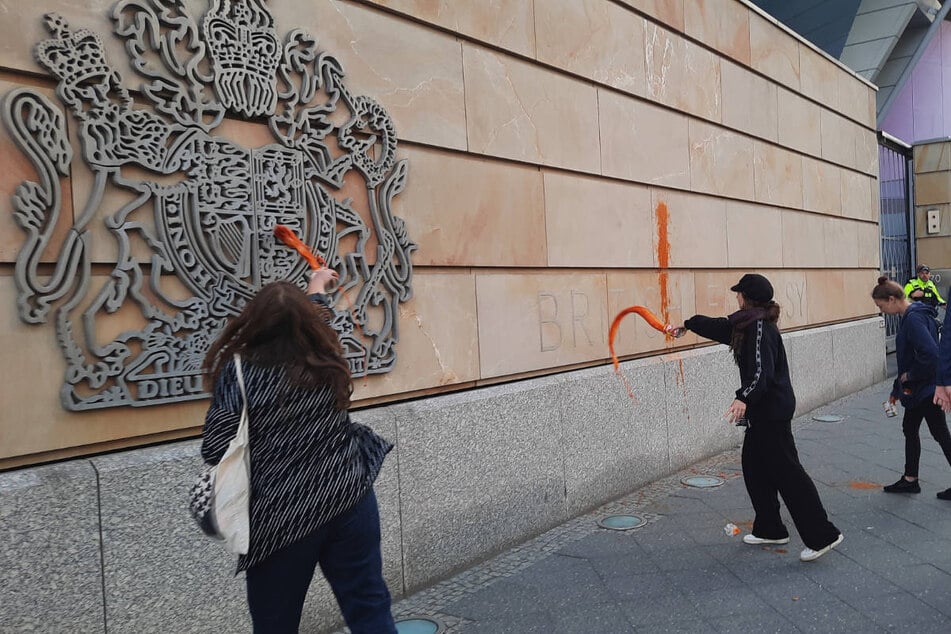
{"x": 280, "y": 326}
{"x": 771, "y": 312}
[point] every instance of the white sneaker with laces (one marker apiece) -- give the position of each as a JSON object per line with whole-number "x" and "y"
{"x": 809, "y": 554}
{"x": 753, "y": 540}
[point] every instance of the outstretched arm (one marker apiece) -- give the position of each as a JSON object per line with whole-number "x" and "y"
{"x": 715, "y": 328}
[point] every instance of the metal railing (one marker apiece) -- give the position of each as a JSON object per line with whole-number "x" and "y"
{"x": 897, "y": 216}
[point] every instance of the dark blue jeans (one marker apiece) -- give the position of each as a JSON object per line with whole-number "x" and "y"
{"x": 348, "y": 552}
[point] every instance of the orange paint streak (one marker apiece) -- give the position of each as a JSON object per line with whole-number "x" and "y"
{"x": 286, "y": 235}
{"x": 648, "y": 316}
{"x": 858, "y": 484}
{"x": 663, "y": 257}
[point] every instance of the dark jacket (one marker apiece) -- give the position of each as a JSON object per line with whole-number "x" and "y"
{"x": 916, "y": 346}
{"x": 944, "y": 353}
{"x": 764, "y": 371}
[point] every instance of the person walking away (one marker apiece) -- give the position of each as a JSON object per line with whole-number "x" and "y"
{"x": 916, "y": 348}
{"x": 767, "y": 401}
{"x": 312, "y": 469}
{"x": 921, "y": 289}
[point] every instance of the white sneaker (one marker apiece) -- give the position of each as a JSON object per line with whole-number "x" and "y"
{"x": 753, "y": 540}
{"x": 809, "y": 554}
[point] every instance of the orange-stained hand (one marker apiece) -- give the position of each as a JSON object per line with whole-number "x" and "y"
{"x": 942, "y": 397}
{"x": 675, "y": 331}
{"x": 736, "y": 412}
{"x": 892, "y": 399}
{"x": 321, "y": 279}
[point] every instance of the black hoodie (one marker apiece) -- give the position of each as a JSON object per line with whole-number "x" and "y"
{"x": 764, "y": 371}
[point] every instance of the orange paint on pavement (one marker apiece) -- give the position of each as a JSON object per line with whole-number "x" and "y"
{"x": 865, "y": 486}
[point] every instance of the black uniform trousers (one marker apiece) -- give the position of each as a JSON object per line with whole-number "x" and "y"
{"x": 937, "y": 425}
{"x": 771, "y": 466}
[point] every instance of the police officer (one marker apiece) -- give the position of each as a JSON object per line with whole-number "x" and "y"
{"x": 922, "y": 289}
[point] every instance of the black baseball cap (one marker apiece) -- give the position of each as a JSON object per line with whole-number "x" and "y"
{"x": 923, "y": 267}
{"x": 755, "y": 287}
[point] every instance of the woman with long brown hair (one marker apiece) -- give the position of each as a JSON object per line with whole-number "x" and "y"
{"x": 312, "y": 469}
{"x": 765, "y": 404}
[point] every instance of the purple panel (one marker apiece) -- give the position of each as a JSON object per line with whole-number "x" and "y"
{"x": 898, "y": 122}
{"x": 918, "y": 112}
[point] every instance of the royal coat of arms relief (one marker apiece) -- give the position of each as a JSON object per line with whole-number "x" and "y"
{"x": 193, "y": 236}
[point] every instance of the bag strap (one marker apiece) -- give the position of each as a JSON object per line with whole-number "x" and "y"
{"x": 237, "y": 368}
{"x": 244, "y": 394}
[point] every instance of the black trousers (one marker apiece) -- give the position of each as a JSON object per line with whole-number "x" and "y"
{"x": 937, "y": 425}
{"x": 771, "y": 467}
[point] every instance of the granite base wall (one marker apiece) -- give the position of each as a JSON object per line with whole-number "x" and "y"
{"x": 106, "y": 543}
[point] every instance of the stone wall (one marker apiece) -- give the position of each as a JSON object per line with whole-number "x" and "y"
{"x": 543, "y": 139}
{"x": 108, "y": 539}
{"x": 932, "y": 167}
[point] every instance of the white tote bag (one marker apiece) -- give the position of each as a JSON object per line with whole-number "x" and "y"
{"x": 232, "y": 498}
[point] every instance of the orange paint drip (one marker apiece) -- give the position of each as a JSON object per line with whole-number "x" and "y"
{"x": 648, "y": 316}
{"x": 663, "y": 242}
{"x": 865, "y": 486}
{"x": 663, "y": 257}
{"x": 288, "y": 237}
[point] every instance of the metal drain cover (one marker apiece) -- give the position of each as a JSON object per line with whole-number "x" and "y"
{"x": 702, "y": 481}
{"x": 621, "y": 522}
{"x": 419, "y": 625}
{"x": 829, "y": 418}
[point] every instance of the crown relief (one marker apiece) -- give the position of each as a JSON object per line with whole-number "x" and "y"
{"x": 208, "y": 215}
{"x": 245, "y": 54}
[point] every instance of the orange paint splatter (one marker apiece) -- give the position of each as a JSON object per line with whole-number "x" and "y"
{"x": 662, "y": 216}
{"x": 747, "y": 524}
{"x": 865, "y": 486}
{"x": 286, "y": 235}
{"x": 663, "y": 258}
{"x": 650, "y": 318}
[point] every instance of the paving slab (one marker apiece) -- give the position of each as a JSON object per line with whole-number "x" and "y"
{"x": 681, "y": 572}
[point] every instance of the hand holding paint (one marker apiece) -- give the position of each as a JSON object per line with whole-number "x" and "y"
{"x": 321, "y": 280}
{"x": 675, "y": 331}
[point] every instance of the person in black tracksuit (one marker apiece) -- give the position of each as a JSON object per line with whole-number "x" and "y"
{"x": 766, "y": 401}
{"x": 916, "y": 348}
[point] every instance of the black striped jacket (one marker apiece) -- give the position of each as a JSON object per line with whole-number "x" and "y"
{"x": 309, "y": 462}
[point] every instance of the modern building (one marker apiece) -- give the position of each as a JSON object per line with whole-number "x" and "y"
{"x": 494, "y": 181}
